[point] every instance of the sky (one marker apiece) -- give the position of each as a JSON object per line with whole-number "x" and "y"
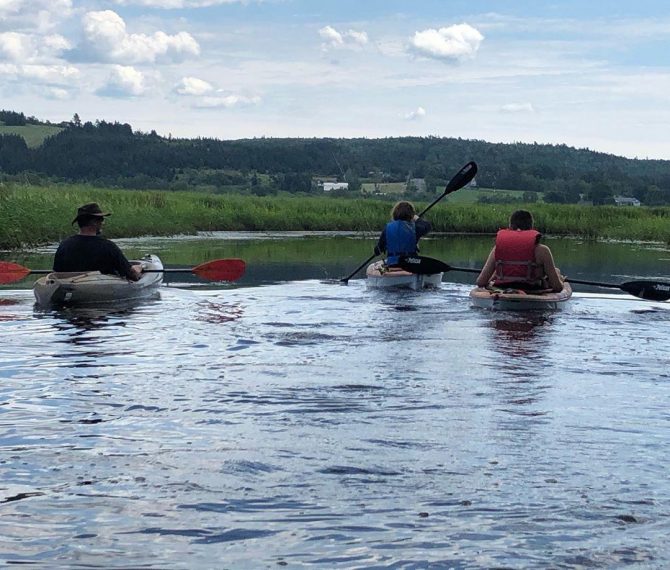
{"x": 588, "y": 74}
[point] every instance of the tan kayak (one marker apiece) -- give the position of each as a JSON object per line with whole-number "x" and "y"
{"x": 93, "y": 287}
{"x": 516, "y": 300}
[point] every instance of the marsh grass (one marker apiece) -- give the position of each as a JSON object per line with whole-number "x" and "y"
{"x": 34, "y": 215}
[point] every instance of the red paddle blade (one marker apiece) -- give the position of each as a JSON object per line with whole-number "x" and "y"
{"x": 11, "y": 272}
{"x": 221, "y": 269}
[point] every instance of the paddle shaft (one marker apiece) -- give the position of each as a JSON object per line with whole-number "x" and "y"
{"x": 216, "y": 270}
{"x": 164, "y": 270}
{"x": 461, "y": 178}
{"x": 594, "y": 283}
{"x": 644, "y": 289}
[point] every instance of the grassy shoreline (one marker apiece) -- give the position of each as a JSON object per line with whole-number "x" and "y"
{"x": 31, "y": 216}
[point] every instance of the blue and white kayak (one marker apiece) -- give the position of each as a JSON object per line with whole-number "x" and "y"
{"x": 93, "y": 287}
{"x": 380, "y": 276}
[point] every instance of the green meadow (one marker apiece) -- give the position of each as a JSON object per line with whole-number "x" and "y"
{"x": 32, "y": 215}
{"x": 34, "y": 135}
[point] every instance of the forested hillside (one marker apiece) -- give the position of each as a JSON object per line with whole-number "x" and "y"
{"x": 112, "y": 154}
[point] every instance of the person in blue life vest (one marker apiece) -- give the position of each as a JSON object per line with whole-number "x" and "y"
{"x": 89, "y": 251}
{"x": 402, "y": 234}
{"x": 519, "y": 261}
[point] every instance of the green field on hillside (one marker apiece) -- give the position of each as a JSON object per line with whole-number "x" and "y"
{"x": 471, "y": 194}
{"x": 384, "y": 188}
{"x": 34, "y": 135}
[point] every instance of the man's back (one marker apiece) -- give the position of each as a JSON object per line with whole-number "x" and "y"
{"x": 91, "y": 253}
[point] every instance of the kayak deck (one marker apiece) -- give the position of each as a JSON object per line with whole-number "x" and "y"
{"x": 93, "y": 287}
{"x": 380, "y": 276}
{"x": 517, "y": 300}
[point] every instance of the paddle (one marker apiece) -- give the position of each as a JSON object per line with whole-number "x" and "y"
{"x": 649, "y": 290}
{"x": 463, "y": 177}
{"x": 429, "y": 265}
{"x": 217, "y": 270}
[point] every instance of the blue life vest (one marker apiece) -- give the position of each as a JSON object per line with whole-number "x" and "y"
{"x": 400, "y": 240}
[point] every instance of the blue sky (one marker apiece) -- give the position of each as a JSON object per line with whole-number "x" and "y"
{"x": 590, "y": 74}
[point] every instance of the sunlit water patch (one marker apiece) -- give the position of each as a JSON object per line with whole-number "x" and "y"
{"x": 314, "y": 424}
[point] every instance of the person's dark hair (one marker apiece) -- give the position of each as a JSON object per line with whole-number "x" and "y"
{"x": 403, "y": 211}
{"x": 521, "y": 220}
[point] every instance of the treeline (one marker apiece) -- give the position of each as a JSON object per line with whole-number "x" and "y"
{"x": 113, "y": 155}
{"x": 14, "y": 119}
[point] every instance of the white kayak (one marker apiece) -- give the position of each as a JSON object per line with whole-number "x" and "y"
{"x": 379, "y": 275}
{"x": 93, "y": 287}
{"x": 517, "y": 300}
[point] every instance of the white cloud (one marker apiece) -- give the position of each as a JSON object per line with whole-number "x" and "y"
{"x": 30, "y": 48}
{"x": 15, "y": 47}
{"x": 455, "y": 43}
{"x": 58, "y": 93}
{"x": 331, "y": 36}
{"x": 123, "y": 81}
{"x": 360, "y": 38}
{"x": 193, "y": 86}
{"x": 226, "y": 101}
{"x": 106, "y": 39}
{"x": 417, "y": 114}
{"x": 9, "y": 7}
{"x": 50, "y": 73}
{"x": 350, "y": 38}
{"x": 517, "y": 108}
{"x": 34, "y": 15}
{"x": 204, "y": 95}
{"x": 44, "y": 79}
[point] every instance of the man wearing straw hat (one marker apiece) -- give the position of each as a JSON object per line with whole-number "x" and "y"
{"x": 89, "y": 251}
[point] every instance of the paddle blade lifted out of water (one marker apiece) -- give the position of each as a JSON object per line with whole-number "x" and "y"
{"x": 11, "y": 272}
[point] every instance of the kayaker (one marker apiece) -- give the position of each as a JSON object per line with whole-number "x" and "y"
{"x": 89, "y": 251}
{"x": 402, "y": 234}
{"x": 518, "y": 260}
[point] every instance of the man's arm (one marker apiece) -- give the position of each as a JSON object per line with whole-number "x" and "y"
{"x": 488, "y": 270}
{"x": 421, "y": 227}
{"x": 122, "y": 265}
{"x": 546, "y": 259}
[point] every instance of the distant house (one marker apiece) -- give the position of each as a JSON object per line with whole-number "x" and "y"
{"x": 419, "y": 184}
{"x": 626, "y": 201}
{"x": 328, "y": 186}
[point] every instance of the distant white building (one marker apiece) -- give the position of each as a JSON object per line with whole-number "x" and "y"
{"x": 419, "y": 184}
{"x": 626, "y": 201}
{"x": 328, "y": 186}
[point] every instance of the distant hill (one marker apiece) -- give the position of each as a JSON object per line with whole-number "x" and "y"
{"x": 112, "y": 154}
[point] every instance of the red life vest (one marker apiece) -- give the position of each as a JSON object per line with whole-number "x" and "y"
{"x": 515, "y": 257}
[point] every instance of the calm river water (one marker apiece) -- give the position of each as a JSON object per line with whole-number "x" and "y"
{"x": 291, "y": 421}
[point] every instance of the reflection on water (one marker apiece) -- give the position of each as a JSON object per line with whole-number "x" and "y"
{"x": 519, "y": 336}
{"x": 312, "y": 424}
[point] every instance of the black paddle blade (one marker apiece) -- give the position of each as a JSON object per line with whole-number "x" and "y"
{"x": 463, "y": 177}
{"x": 649, "y": 290}
{"x": 423, "y": 265}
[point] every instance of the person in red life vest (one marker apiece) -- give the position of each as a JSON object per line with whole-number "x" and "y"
{"x": 89, "y": 251}
{"x": 402, "y": 234}
{"x": 518, "y": 260}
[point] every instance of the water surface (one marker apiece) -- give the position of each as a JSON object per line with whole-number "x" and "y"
{"x": 288, "y": 420}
